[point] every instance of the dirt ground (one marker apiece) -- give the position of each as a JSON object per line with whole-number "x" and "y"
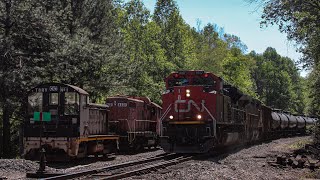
{"x": 247, "y": 163}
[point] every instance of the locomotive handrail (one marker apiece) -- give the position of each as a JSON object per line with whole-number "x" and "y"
{"x": 241, "y": 110}
{"x": 165, "y": 113}
{"x": 213, "y": 119}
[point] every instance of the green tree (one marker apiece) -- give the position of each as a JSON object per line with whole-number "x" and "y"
{"x": 237, "y": 71}
{"x": 25, "y": 46}
{"x": 278, "y": 81}
{"x": 300, "y": 20}
{"x": 91, "y": 51}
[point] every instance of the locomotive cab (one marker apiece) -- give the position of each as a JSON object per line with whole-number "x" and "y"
{"x": 57, "y": 108}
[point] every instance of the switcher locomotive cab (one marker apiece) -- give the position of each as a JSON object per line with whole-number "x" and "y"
{"x": 62, "y": 121}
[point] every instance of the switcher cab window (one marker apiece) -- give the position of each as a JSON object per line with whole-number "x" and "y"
{"x": 35, "y": 103}
{"x": 71, "y": 104}
{"x": 54, "y": 98}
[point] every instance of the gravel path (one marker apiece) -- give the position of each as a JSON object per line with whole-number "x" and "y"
{"x": 249, "y": 163}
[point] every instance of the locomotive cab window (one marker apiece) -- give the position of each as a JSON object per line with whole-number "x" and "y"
{"x": 71, "y": 104}
{"x": 84, "y": 100}
{"x": 132, "y": 105}
{"x": 178, "y": 82}
{"x": 54, "y": 98}
{"x": 203, "y": 81}
{"x": 35, "y": 102}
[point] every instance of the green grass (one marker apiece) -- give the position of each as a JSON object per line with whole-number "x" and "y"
{"x": 300, "y": 144}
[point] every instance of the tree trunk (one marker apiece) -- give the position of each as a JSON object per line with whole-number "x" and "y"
{"x": 6, "y": 131}
{"x": 1, "y": 144}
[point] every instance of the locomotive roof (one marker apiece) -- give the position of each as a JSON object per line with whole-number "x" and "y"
{"x": 98, "y": 105}
{"x": 156, "y": 105}
{"x": 125, "y": 97}
{"x": 77, "y": 89}
{"x": 135, "y": 99}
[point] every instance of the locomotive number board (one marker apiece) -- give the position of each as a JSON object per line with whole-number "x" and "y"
{"x": 52, "y": 89}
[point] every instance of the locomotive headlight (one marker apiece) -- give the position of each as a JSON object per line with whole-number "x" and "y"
{"x": 188, "y": 92}
{"x": 199, "y": 116}
{"x": 170, "y": 117}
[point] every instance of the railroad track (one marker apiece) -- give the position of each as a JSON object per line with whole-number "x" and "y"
{"x": 118, "y": 172}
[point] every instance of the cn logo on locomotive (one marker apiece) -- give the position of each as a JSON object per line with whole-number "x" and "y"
{"x": 189, "y": 103}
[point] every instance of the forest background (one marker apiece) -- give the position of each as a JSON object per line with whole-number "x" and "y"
{"x": 110, "y": 47}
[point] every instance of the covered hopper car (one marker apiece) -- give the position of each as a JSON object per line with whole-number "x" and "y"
{"x": 61, "y": 120}
{"x": 201, "y": 111}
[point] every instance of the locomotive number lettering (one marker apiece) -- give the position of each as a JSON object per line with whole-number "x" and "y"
{"x": 41, "y": 90}
{"x": 122, "y": 104}
{"x": 63, "y": 89}
{"x": 53, "y": 88}
{"x": 189, "y": 103}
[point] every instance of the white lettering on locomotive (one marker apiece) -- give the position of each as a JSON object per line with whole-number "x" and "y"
{"x": 189, "y": 103}
{"x": 41, "y": 90}
{"x": 53, "y": 88}
{"x": 122, "y": 104}
{"x": 63, "y": 89}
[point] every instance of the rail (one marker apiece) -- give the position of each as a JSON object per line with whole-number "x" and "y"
{"x": 147, "y": 169}
{"x": 113, "y": 167}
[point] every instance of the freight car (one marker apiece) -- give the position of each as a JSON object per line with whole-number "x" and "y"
{"x": 136, "y": 120}
{"x": 202, "y": 111}
{"x": 61, "y": 120}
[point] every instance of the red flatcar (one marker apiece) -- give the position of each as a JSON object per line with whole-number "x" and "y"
{"x": 136, "y": 120}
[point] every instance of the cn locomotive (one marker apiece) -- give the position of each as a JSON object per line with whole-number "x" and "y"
{"x": 136, "y": 120}
{"x": 201, "y": 111}
{"x": 61, "y": 120}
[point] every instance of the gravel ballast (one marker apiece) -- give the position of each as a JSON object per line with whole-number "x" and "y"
{"x": 17, "y": 168}
{"x": 247, "y": 163}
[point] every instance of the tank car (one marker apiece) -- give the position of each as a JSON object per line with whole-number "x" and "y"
{"x": 61, "y": 120}
{"x": 136, "y": 120}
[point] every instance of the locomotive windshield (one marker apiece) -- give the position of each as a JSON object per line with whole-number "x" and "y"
{"x": 35, "y": 102}
{"x": 196, "y": 81}
{"x": 178, "y": 82}
{"x": 203, "y": 81}
{"x": 71, "y": 106}
{"x": 54, "y": 99}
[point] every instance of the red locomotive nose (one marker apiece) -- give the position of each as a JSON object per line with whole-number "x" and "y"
{"x": 189, "y": 103}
